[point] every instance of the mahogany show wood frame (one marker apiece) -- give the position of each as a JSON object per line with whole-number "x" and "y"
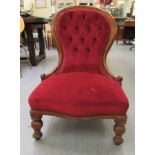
{"x": 120, "y": 120}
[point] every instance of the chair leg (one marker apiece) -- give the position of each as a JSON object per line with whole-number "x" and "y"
{"x": 36, "y": 125}
{"x": 119, "y": 129}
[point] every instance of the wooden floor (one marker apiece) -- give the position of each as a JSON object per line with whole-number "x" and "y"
{"x": 64, "y": 137}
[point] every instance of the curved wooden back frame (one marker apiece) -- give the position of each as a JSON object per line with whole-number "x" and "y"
{"x": 106, "y": 48}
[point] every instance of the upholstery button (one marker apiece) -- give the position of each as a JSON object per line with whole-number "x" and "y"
{"x": 77, "y": 28}
{"x": 88, "y": 28}
{"x": 96, "y": 17}
{"x": 88, "y": 50}
{"x": 82, "y": 39}
{"x": 75, "y": 49}
{"x": 83, "y": 16}
{"x": 94, "y": 39}
{"x": 101, "y": 28}
{"x": 64, "y": 27}
{"x": 70, "y": 38}
{"x": 71, "y": 15}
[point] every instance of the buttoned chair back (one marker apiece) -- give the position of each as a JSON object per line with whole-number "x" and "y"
{"x": 83, "y": 36}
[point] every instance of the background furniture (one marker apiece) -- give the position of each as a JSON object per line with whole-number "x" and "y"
{"x": 125, "y": 29}
{"x": 36, "y": 38}
{"x": 120, "y": 28}
{"x": 37, "y": 23}
{"x": 22, "y": 26}
{"x": 81, "y": 86}
{"x": 49, "y": 39}
{"x": 129, "y": 31}
{"x": 60, "y": 4}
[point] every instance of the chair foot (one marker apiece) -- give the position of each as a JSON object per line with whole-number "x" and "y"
{"x": 36, "y": 124}
{"x": 119, "y": 129}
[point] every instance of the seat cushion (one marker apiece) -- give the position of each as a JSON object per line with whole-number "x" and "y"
{"x": 79, "y": 94}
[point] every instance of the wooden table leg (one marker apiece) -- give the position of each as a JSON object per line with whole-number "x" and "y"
{"x": 30, "y": 43}
{"x": 41, "y": 43}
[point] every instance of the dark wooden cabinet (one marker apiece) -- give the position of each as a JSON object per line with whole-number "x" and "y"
{"x": 125, "y": 29}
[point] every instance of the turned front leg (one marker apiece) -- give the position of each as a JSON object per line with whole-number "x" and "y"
{"x": 119, "y": 129}
{"x": 36, "y": 124}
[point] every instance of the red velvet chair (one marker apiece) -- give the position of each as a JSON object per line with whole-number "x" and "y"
{"x": 81, "y": 87}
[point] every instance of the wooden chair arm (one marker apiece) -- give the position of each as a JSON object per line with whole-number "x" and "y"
{"x": 117, "y": 78}
{"x": 45, "y": 76}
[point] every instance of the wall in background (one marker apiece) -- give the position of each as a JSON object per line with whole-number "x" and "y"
{"x": 127, "y": 6}
{"x": 43, "y": 12}
{"x": 46, "y": 12}
{"x": 27, "y": 4}
{"x": 39, "y": 12}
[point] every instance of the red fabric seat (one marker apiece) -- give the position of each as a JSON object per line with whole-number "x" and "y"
{"x": 79, "y": 94}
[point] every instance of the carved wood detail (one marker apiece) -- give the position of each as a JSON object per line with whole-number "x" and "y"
{"x": 119, "y": 129}
{"x": 36, "y": 125}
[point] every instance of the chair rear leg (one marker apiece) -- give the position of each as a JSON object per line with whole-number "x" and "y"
{"x": 119, "y": 129}
{"x": 36, "y": 124}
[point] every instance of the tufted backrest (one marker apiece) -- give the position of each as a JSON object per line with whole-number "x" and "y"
{"x": 83, "y": 36}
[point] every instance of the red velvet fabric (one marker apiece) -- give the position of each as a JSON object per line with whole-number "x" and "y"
{"x": 83, "y": 34}
{"x": 79, "y": 94}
